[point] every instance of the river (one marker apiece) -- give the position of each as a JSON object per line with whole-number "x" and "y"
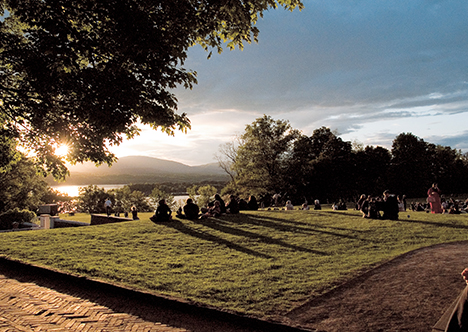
{"x": 74, "y": 191}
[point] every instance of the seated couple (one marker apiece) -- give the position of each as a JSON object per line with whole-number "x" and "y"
{"x": 191, "y": 211}
{"x": 164, "y": 213}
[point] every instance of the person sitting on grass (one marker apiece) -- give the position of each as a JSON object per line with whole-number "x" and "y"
{"x": 233, "y": 206}
{"x": 213, "y": 211}
{"x": 163, "y": 212}
{"x": 317, "y": 205}
{"x": 191, "y": 210}
{"x": 218, "y": 198}
{"x": 252, "y": 203}
{"x": 289, "y": 206}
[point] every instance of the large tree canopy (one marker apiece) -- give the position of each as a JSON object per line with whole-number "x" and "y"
{"x": 86, "y": 72}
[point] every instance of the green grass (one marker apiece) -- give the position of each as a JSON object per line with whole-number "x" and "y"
{"x": 262, "y": 263}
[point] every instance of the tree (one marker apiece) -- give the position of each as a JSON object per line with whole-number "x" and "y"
{"x": 321, "y": 166}
{"x": 205, "y": 194}
{"x": 410, "y": 171}
{"x": 201, "y": 195}
{"x": 371, "y": 170}
{"x": 262, "y": 158}
{"x": 227, "y": 157}
{"x": 86, "y": 72}
{"x": 21, "y": 185}
{"x": 125, "y": 198}
{"x": 92, "y": 198}
{"x": 158, "y": 194}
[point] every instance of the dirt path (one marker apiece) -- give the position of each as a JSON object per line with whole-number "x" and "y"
{"x": 409, "y": 293}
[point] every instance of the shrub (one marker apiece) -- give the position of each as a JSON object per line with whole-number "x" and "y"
{"x": 15, "y": 215}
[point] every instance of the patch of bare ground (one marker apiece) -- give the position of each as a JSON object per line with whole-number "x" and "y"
{"x": 408, "y": 293}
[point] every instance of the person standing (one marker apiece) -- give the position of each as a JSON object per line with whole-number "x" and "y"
{"x": 433, "y": 198}
{"x": 390, "y": 206}
{"x": 134, "y": 213}
{"x": 108, "y": 206}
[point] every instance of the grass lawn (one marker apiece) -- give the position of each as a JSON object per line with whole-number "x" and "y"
{"x": 262, "y": 263}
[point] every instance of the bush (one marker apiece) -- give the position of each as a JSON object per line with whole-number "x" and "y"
{"x": 15, "y": 215}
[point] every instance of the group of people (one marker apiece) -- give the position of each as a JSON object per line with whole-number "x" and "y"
{"x": 371, "y": 207}
{"x": 437, "y": 204}
{"x": 215, "y": 208}
{"x": 108, "y": 207}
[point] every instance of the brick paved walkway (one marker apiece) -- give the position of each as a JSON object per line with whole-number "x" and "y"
{"x": 29, "y": 307}
{"x": 36, "y": 299}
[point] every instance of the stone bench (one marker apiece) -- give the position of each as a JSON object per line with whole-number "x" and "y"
{"x": 101, "y": 219}
{"x": 60, "y": 223}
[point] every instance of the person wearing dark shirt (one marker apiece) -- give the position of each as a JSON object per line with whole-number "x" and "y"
{"x": 233, "y": 206}
{"x": 253, "y": 205}
{"x": 390, "y": 206}
{"x": 243, "y": 205}
{"x": 191, "y": 210}
{"x": 134, "y": 213}
{"x": 163, "y": 212}
{"x": 221, "y": 202}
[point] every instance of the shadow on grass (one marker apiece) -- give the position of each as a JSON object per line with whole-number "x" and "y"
{"x": 433, "y": 223}
{"x": 292, "y": 226}
{"x": 220, "y": 225}
{"x": 183, "y": 228}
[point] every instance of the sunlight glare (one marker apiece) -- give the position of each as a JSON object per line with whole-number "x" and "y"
{"x": 61, "y": 150}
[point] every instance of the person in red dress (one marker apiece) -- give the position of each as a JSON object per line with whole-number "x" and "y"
{"x": 433, "y": 198}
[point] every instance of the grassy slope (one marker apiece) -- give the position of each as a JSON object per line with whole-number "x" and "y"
{"x": 262, "y": 263}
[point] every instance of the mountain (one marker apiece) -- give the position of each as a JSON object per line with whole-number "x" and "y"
{"x": 140, "y": 169}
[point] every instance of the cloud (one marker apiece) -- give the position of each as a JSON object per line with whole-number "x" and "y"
{"x": 369, "y": 69}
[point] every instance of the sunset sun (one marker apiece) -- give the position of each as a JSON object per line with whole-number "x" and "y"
{"x": 61, "y": 150}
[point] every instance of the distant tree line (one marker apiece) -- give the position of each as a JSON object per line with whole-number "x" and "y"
{"x": 175, "y": 187}
{"x": 272, "y": 157}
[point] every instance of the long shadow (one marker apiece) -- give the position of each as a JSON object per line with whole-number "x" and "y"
{"x": 316, "y": 213}
{"x": 220, "y": 225}
{"x": 433, "y": 223}
{"x": 308, "y": 229}
{"x": 183, "y": 228}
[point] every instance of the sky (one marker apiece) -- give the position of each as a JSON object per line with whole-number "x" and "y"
{"x": 367, "y": 69}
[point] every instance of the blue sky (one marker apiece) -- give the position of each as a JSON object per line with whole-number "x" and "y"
{"x": 368, "y": 69}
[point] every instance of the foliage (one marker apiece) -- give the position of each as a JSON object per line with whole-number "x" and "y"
{"x": 262, "y": 155}
{"x": 174, "y": 187}
{"x": 15, "y": 216}
{"x": 8, "y": 154}
{"x": 261, "y": 263}
{"x": 92, "y": 198}
{"x": 124, "y": 198}
{"x": 86, "y": 72}
{"x": 157, "y": 194}
{"x": 201, "y": 195}
{"x": 274, "y": 158}
{"x": 21, "y": 186}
